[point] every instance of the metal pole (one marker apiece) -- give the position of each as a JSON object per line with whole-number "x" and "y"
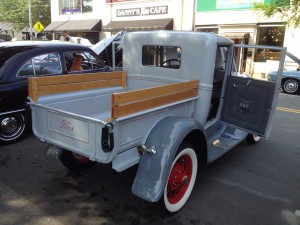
{"x": 30, "y": 20}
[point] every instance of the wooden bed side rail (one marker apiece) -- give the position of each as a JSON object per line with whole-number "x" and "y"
{"x": 126, "y": 103}
{"x": 38, "y": 86}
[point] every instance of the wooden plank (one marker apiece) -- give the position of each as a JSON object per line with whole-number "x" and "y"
{"x": 127, "y": 109}
{"x": 77, "y": 78}
{"x": 32, "y": 89}
{"x": 75, "y": 82}
{"x": 124, "y": 84}
{"x": 62, "y": 88}
{"x": 130, "y": 102}
{"x": 139, "y": 95}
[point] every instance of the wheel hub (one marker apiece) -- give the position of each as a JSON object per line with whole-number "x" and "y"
{"x": 9, "y": 125}
{"x": 185, "y": 180}
{"x": 291, "y": 86}
{"x": 179, "y": 179}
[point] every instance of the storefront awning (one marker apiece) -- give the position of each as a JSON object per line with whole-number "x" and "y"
{"x": 81, "y": 25}
{"x": 53, "y": 25}
{"x": 133, "y": 25}
{"x": 75, "y": 25}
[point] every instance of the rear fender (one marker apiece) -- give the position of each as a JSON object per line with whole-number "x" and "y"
{"x": 153, "y": 170}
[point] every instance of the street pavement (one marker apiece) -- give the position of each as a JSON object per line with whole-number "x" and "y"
{"x": 17, "y": 210}
{"x": 250, "y": 185}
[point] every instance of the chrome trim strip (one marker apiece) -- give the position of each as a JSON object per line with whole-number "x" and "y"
{"x": 14, "y": 111}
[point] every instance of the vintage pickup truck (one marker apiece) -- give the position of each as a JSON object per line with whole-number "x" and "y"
{"x": 177, "y": 104}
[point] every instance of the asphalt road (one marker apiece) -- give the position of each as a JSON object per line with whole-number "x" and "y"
{"x": 250, "y": 185}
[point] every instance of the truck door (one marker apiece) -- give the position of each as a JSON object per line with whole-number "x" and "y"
{"x": 249, "y": 103}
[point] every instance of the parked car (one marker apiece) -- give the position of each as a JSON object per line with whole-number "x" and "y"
{"x": 20, "y": 60}
{"x": 104, "y": 49}
{"x": 83, "y": 41}
{"x": 290, "y": 81}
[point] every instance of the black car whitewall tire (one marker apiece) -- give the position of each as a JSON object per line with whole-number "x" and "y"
{"x": 12, "y": 127}
{"x": 290, "y": 86}
{"x": 181, "y": 178}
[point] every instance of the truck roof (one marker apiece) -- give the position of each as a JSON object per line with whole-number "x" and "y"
{"x": 146, "y": 36}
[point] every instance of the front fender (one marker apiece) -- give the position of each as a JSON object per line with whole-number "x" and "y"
{"x": 153, "y": 170}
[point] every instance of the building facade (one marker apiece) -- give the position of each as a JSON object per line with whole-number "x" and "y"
{"x": 148, "y": 15}
{"x": 78, "y": 17}
{"x": 97, "y": 19}
{"x": 235, "y": 19}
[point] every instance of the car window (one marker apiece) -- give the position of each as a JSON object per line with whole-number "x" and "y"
{"x": 45, "y": 64}
{"x": 88, "y": 61}
{"x": 161, "y": 56}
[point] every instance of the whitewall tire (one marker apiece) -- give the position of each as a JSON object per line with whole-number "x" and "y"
{"x": 181, "y": 179}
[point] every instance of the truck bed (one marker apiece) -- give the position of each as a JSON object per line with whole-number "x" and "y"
{"x": 74, "y": 111}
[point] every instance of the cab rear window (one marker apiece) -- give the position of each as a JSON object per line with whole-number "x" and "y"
{"x": 161, "y": 56}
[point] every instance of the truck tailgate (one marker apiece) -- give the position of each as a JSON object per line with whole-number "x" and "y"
{"x": 70, "y": 131}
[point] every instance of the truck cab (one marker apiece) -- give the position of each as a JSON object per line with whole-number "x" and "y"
{"x": 229, "y": 108}
{"x": 167, "y": 57}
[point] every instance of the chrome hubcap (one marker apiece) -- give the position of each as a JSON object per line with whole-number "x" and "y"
{"x": 9, "y": 125}
{"x": 291, "y": 86}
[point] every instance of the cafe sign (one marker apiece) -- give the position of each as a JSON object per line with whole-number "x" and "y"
{"x": 143, "y": 11}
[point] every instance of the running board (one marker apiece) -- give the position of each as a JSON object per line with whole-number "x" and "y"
{"x": 219, "y": 147}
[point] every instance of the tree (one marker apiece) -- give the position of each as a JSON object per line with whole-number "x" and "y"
{"x": 287, "y": 10}
{"x": 16, "y": 12}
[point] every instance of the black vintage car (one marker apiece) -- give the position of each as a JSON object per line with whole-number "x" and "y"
{"x": 19, "y": 60}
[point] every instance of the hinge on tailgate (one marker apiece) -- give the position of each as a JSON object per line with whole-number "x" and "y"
{"x": 107, "y": 139}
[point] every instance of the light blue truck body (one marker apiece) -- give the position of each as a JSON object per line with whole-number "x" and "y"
{"x": 225, "y": 111}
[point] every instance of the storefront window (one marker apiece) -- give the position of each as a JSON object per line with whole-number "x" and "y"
{"x": 210, "y": 29}
{"x": 273, "y": 36}
{"x": 87, "y": 6}
{"x": 75, "y": 6}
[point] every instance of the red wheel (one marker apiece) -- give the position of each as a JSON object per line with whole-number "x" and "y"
{"x": 75, "y": 162}
{"x": 181, "y": 179}
{"x": 79, "y": 158}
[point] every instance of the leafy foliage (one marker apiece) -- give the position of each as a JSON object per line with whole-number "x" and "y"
{"x": 287, "y": 10}
{"x": 17, "y": 12}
